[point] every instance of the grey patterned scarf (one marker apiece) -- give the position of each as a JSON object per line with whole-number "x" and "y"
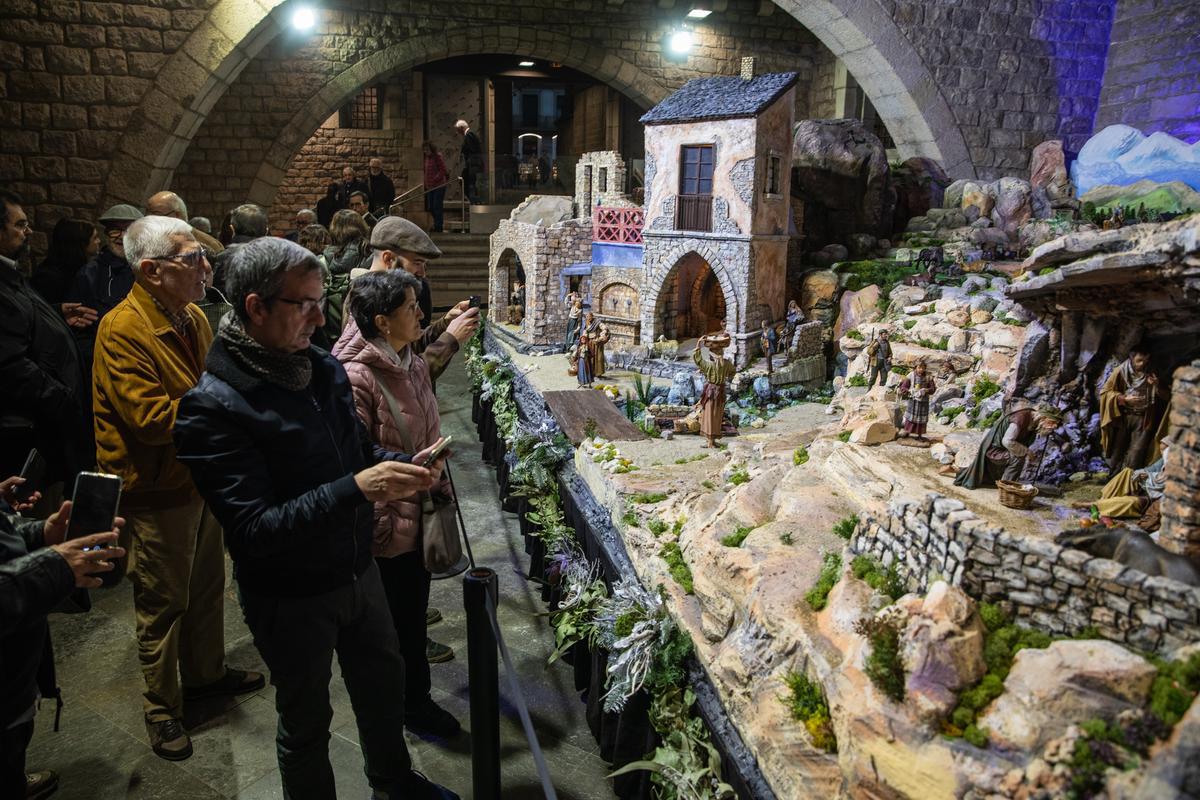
{"x": 292, "y": 372}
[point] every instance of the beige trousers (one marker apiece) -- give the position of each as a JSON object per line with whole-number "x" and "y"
{"x": 177, "y": 568}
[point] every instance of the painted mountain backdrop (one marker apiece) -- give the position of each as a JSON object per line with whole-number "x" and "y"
{"x": 1120, "y": 155}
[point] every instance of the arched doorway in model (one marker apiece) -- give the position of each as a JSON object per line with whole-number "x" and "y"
{"x": 508, "y": 271}
{"x": 691, "y": 302}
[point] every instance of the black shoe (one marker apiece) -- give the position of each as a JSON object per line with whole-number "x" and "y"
{"x": 415, "y": 787}
{"x": 432, "y": 615}
{"x": 430, "y": 719}
{"x": 436, "y": 652}
{"x": 235, "y": 681}
{"x": 169, "y": 739}
{"x": 40, "y": 784}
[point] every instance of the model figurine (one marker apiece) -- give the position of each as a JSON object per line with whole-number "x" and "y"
{"x": 1130, "y": 413}
{"x": 916, "y": 389}
{"x": 1004, "y": 451}
{"x": 516, "y": 304}
{"x": 769, "y": 340}
{"x": 795, "y": 316}
{"x": 592, "y": 339}
{"x": 879, "y": 356}
{"x": 717, "y": 371}
{"x": 574, "y": 318}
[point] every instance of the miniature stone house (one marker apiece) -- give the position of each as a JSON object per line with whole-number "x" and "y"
{"x": 600, "y": 180}
{"x": 718, "y": 172}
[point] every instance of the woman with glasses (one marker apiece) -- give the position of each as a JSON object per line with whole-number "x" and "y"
{"x": 395, "y": 401}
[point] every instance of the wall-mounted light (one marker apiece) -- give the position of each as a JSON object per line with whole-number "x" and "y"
{"x": 524, "y": 63}
{"x": 680, "y": 42}
{"x": 699, "y": 13}
{"x": 304, "y": 18}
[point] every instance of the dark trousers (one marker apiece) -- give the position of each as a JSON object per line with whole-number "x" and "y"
{"x": 13, "y": 742}
{"x": 468, "y": 176}
{"x": 433, "y": 203}
{"x": 297, "y": 637}
{"x": 406, "y": 583}
{"x": 879, "y": 369}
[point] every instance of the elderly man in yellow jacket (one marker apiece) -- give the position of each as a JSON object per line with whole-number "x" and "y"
{"x": 150, "y": 351}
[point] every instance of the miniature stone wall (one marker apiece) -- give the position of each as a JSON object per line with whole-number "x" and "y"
{"x": 544, "y": 252}
{"x": 610, "y": 191}
{"x": 1056, "y": 589}
{"x": 1181, "y": 501}
{"x": 617, "y": 300}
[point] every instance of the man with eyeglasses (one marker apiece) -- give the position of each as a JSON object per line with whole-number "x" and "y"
{"x": 273, "y": 441}
{"x": 150, "y": 352}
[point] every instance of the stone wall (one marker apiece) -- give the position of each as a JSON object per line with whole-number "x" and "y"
{"x": 610, "y": 191}
{"x": 1181, "y": 502}
{"x": 1056, "y": 589}
{"x": 1152, "y": 79}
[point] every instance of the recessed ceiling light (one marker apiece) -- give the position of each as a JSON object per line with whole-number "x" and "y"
{"x": 698, "y": 13}
{"x": 303, "y": 18}
{"x": 525, "y": 64}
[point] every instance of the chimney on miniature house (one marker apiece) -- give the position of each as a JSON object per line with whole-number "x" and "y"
{"x": 748, "y": 68}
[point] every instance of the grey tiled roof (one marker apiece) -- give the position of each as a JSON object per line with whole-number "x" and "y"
{"x": 726, "y": 97}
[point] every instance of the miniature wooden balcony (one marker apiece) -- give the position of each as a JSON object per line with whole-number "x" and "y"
{"x": 693, "y": 212}
{"x": 618, "y": 225}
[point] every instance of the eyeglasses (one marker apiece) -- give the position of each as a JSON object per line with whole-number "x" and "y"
{"x": 307, "y": 306}
{"x": 193, "y": 260}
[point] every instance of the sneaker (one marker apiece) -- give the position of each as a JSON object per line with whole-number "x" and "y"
{"x": 235, "y": 681}
{"x": 432, "y": 615}
{"x": 436, "y": 652}
{"x": 431, "y": 719}
{"x": 169, "y": 739}
{"x": 40, "y": 784}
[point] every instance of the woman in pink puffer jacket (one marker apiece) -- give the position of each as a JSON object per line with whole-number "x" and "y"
{"x": 380, "y": 362}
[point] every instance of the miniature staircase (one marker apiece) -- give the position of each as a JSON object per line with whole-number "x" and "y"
{"x": 461, "y": 271}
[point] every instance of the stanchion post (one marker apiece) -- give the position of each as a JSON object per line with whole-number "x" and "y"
{"x": 483, "y": 672}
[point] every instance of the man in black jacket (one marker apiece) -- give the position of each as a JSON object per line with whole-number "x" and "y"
{"x": 43, "y": 402}
{"x": 382, "y": 190}
{"x": 38, "y": 570}
{"x": 275, "y": 446}
{"x": 249, "y": 222}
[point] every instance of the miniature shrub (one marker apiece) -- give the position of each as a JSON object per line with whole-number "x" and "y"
{"x": 901, "y": 369}
{"x": 831, "y": 570}
{"x": 589, "y": 428}
{"x": 708, "y": 485}
{"x": 739, "y": 476}
{"x": 950, "y": 412}
{"x": 909, "y": 324}
{"x": 677, "y": 526}
{"x": 1176, "y": 684}
{"x": 1046, "y": 271}
{"x": 845, "y": 527}
{"x": 887, "y": 581}
{"x": 739, "y": 535}
{"x": 808, "y": 705}
{"x": 624, "y": 624}
{"x": 884, "y": 273}
{"x": 680, "y": 571}
{"x": 845, "y": 436}
{"x": 988, "y": 421}
{"x": 941, "y": 344}
{"x": 630, "y": 518}
{"x": 856, "y": 380}
{"x": 976, "y": 735}
{"x": 644, "y": 498}
{"x": 799, "y": 456}
{"x": 690, "y": 459}
{"x": 984, "y": 387}
{"x": 883, "y": 665}
{"x": 668, "y": 668}
{"x": 656, "y": 526}
{"x": 854, "y": 334}
{"x": 787, "y": 538}
{"x": 650, "y": 428}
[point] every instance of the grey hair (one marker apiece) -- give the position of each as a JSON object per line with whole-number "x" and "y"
{"x": 151, "y": 237}
{"x": 307, "y": 213}
{"x": 462, "y": 123}
{"x": 259, "y": 267}
{"x": 201, "y": 224}
{"x": 249, "y": 220}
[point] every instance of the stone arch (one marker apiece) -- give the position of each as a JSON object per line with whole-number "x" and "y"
{"x": 659, "y": 273}
{"x": 502, "y": 269}
{"x": 620, "y": 291}
{"x": 604, "y": 66}
{"x": 900, "y": 86}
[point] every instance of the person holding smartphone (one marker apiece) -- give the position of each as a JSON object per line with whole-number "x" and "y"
{"x": 150, "y": 352}
{"x": 272, "y": 440}
{"x": 395, "y": 401}
{"x": 38, "y": 570}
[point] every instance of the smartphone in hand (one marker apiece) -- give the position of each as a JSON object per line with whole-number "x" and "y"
{"x": 34, "y": 473}
{"x": 437, "y": 451}
{"x": 94, "y": 504}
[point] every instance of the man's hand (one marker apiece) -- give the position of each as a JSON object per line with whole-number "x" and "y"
{"x": 459, "y": 308}
{"x": 392, "y": 480}
{"x": 78, "y": 315}
{"x": 435, "y": 469}
{"x": 54, "y": 531}
{"x": 464, "y": 325}
{"x": 8, "y": 493}
{"x": 84, "y": 562}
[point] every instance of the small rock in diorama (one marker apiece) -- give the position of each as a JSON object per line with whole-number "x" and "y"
{"x": 588, "y": 355}
{"x": 717, "y": 371}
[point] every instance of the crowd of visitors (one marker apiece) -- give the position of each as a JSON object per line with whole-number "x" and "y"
{"x": 195, "y": 368}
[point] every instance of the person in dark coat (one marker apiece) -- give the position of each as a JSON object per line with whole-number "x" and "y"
{"x": 73, "y": 243}
{"x": 45, "y": 399}
{"x": 379, "y": 187}
{"x": 296, "y": 507}
{"x": 38, "y": 570}
{"x": 328, "y": 205}
{"x": 350, "y": 184}
{"x": 249, "y": 222}
{"x": 472, "y": 158}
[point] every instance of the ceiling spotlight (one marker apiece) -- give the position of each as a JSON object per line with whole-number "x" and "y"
{"x": 303, "y": 18}
{"x": 524, "y": 63}
{"x": 681, "y": 42}
{"x": 699, "y": 13}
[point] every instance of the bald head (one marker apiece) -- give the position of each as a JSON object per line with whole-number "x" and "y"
{"x": 167, "y": 204}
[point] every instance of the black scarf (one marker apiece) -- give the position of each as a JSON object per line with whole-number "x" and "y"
{"x": 292, "y": 371}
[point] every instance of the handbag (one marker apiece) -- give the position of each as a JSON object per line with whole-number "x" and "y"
{"x": 440, "y": 538}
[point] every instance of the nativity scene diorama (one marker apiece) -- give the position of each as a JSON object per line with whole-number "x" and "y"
{"x": 962, "y": 412}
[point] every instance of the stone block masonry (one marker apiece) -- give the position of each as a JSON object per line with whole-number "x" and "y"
{"x": 1181, "y": 501}
{"x": 1055, "y": 589}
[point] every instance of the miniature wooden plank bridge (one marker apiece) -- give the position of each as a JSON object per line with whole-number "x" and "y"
{"x": 574, "y": 408}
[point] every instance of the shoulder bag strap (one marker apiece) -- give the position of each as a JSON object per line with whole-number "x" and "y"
{"x": 394, "y": 407}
